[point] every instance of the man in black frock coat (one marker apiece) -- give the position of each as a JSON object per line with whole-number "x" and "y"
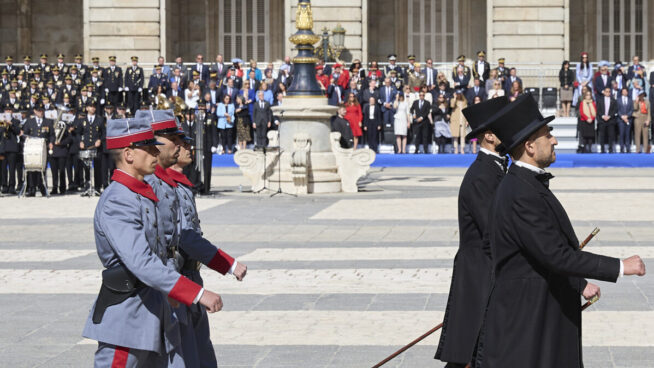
{"x": 471, "y": 276}
{"x": 533, "y": 317}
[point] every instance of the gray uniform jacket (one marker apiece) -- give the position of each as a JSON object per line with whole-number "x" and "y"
{"x": 126, "y": 231}
{"x": 182, "y": 235}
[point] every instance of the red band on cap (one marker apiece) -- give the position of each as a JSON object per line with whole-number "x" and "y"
{"x": 161, "y": 125}
{"x": 126, "y": 140}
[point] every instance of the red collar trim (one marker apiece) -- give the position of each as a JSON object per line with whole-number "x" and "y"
{"x": 179, "y": 177}
{"x": 134, "y": 184}
{"x": 161, "y": 173}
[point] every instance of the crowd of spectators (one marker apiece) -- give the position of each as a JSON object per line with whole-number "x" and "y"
{"x": 612, "y": 104}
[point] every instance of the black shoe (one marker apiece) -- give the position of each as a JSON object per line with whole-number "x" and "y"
{"x": 31, "y": 193}
{"x": 54, "y": 192}
{"x": 42, "y": 190}
{"x": 12, "y": 191}
{"x": 62, "y": 190}
{"x": 4, "y": 190}
{"x": 72, "y": 189}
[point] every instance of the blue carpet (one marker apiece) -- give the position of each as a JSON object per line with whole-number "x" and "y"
{"x": 563, "y": 160}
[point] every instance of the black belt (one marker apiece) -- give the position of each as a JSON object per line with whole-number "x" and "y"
{"x": 118, "y": 284}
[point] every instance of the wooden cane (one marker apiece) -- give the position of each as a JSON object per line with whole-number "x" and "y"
{"x": 424, "y": 336}
{"x": 589, "y": 237}
{"x": 408, "y": 346}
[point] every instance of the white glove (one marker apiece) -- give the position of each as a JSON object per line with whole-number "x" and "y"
{"x": 106, "y": 90}
{"x": 102, "y": 101}
{"x": 140, "y": 89}
{"x": 120, "y": 89}
{"x": 126, "y": 89}
{"x": 213, "y": 149}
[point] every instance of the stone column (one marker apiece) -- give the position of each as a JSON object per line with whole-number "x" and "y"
{"x": 24, "y": 16}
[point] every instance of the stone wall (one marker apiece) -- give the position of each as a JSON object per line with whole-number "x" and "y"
{"x": 528, "y": 30}
{"x": 329, "y": 13}
{"x": 123, "y": 28}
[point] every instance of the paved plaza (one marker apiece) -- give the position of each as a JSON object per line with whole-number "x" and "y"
{"x": 333, "y": 280}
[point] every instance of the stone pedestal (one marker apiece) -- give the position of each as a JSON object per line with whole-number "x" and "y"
{"x": 309, "y": 161}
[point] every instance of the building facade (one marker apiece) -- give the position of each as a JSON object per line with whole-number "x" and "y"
{"x": 522, "y": 31}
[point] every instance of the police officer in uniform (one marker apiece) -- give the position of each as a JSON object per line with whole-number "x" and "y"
{"x": 61, "y": 65}
{"x": 134, "y": 85}
{"x": 180, "y": 234}
{"x": 131, "y": 319}
{"x": 113, "y": 82}
{"x": 461, "y": 62}
{"x": 74, "y": 166}
{"x": 91, "y": 132}
{"x": 471, "y": 274}
{"x": 58, "y": 157}
{"x": 481, "y": 68}
{"x": 108, "y": 165}
{"x": 11, "y": 69}
{"x": 27, "y": 68}
{"x": 502, "y": 71}
{"x": 190, "y": 219}
{"x": 95, "y": 66}
{"x": 44, "y": 67}
{"x": 9, "y": 132}
{"x": 81, "y": 68}
{"x": 40, "y": 127}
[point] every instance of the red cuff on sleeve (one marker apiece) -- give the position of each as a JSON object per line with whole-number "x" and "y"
{"x": 221, "y": 262}
{"x": 185, "y": 291}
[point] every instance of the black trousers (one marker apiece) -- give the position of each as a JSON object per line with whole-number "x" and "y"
{"x": 34, "y": 181}
{"x": 260, "y": 139}
{"x": 8, "y": 170}
{"x": 58, "y": 168}
{"x": 133, "y": 100}
{"x": 20, "y": 165}
{"x": 97, "y": 173}
{"x": 606, "y": 130}
{"x": 115, "y": 97}
{"x": 421, "y": 131}
{"x": 74, "y": 176}
{"x": 107, "y": 169}
{"x": 372, "y": 134}
{"x": 226, "y": 139}
{"x": 207, "y": 165}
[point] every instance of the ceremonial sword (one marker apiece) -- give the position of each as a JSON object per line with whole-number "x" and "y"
{"x": 440, "y": 325}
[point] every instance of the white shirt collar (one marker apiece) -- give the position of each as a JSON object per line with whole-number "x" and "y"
{"x": 489, "y": 152}
{"x": 527, "y": 166}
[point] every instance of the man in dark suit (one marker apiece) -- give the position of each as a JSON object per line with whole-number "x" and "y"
{"x": 9, "y": 144}
{"x": 607, "y": 111}
{"x": 508, "y": 83}
{"x": 387, "y": 95}
{"x": 219, "y": 67}
{"x": 481, "y": 68}
{"x": 339, "y": 124}
{"x": 624, "y": 120}
{"x": 355, "y": 91}
{"x": 58, "y": 159}
{"x": 533, "y": 314}
{"x": 634, "y": 67}
{"x": 261, "y": 119}
{"x": 179, "y": 78}
{"x": 430, "y": 74}
{"x": 38, "y": 127}
{"x": 230, "y": 90}
{"x": 472, "y": 265}
{"x": 202, "y": 69}
{"x": 603, "y": 80}
{"x": 421, "y": 113}
{"x": 158, "y": 79}
{"x": 371, "y": 91}
{"x": 372, "y": 123}
{"x": 476, "y": 90}
{"x": 335, "y": 95}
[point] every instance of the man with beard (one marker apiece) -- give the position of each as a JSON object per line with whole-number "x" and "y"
{"x": 180, "y": 238}
{"x": 472, "y": 264}
{"x": 533, "y": 316}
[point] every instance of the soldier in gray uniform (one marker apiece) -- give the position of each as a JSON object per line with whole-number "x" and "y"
{"x": 190, "y": 219}
{"x": 179, "y": 234}
{"x": 131, "y": 319}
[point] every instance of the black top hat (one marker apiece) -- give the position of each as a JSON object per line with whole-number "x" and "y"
{"x": 481, "y": 116}
{"x": 517, "y": 121}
